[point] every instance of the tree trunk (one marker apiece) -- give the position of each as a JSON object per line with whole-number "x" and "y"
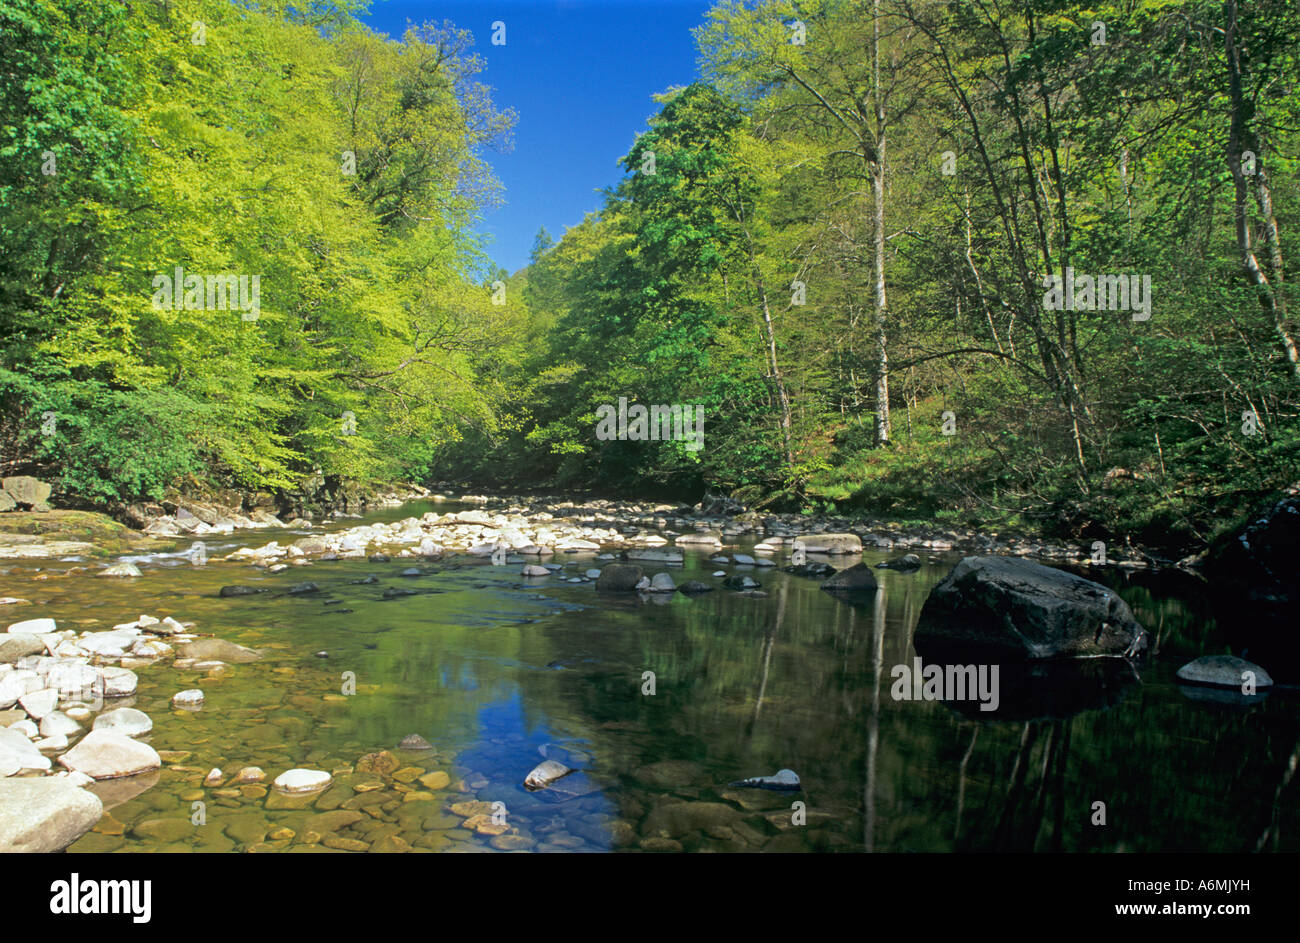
{"x": 877, "y": 168}
{"x": 1240, "y": 137}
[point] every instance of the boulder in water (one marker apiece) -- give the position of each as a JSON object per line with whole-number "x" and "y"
{"x": 1028, "y": 610}
{"x": 784, "y": 779}
{"x": 619, "y": 578}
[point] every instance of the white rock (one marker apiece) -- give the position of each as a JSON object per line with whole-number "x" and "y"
{"x": 124, "y": 720}
{"x": 26, "y": 728}
{"x": 39, "y": 703}
{"x": 106, "y": 754}
{"x": 302, "y": 780}
{"x": 121, "y": 569}
{"x": 191, "y": 699}
{"x": 45, "y": 814}
{"x": 56, "y": 723}
{"x": 119, "y": 682}
{"x": 34, "y": 626}
{"x": 55, "y": 744}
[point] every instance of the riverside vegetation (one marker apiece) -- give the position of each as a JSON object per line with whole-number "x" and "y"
{"x": 840, "y": 255}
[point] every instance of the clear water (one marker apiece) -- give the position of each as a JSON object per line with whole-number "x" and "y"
{"x": 489, "y": 667}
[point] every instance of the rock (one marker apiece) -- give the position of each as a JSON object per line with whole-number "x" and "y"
{"x": 694, "y": 588}
{"x": 741, "y": 582}
{"x": 382, "y": 763}
{"x": 1028, "y": 610}
{"x": 856, "y": 579}
{"x": 205, "y": 649}
{"x": 44, "y": 814}
{"x": 532, "y": 570}
{"x": 18, "y": 753}
{"x": 33, "y": 627}
{"x": 58, "y": 723}
{"x": 39, "y": 703}
{"x": 784, "y": 779}
{"x": 165, "y": 830}
{"x": 124, "y": 720}
{"x": 699, "y": 540}
{"x": 7, "y": 503}
{"x": 106, "y": 754}
{"x": 121, "y": 569}
{"x": 191, "y": 699}
{"x": 662, "y": 583}
{"x": 413, "y": 741}
{"x": 1223, "y": 671}
{"x": 512, "y": 842}
{"x": 828, "y": 543}
{"x": 743, "y": 559}
{"x": 907, "y": 562}
{"x": 250, "y": 774}
{"x": 15, "y": 645}
{"x": 544, "y": 774}
{"x": 810, "y": 569}
{"x": 649, "y": 555}
{"x": 227, "y": 591}
{"x": 214, "y": 777}
{"x": 303, "y": 589}
{"x": 435, "y": 780}
{"x": 118, "y": 682}
{"x": 26, "y": 490}
{"x": 619, "y": 578}
{"x": 302, "y": 780}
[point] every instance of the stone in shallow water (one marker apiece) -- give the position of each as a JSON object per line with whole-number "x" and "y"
{"x": 544, "y": 774}
{"x": 191, "y": 699}
{"x": 205, "y": 649}
{"x": 1223, "y": 671}
{"x": 44, "y": 814}
{"x": 782, "y": 779}
{"x": 302, "y": 780}
{"x": 413, "y": 741}
{"x": 57, "y": 723}
{"x": 105, "y": 754}
{"x": 435, "y": 780}
{"x": 33, "y": 626}
{"x": 125, "y": 720}
{"x": 39, "y": 703}
{"x": 121, "y": 569}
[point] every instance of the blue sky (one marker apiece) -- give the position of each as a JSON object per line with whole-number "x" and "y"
{"x": 580, "y": 74}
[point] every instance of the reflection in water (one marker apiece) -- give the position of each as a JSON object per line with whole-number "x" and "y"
{"x": 491, "y": 671}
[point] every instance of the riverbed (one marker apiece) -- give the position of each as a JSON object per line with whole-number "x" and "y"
{"x": 665, "y": 701}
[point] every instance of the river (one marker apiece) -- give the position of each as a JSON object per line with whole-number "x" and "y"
{"x": 491, "y": 668}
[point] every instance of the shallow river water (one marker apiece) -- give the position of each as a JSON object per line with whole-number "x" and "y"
{"x": 490, "y": 667}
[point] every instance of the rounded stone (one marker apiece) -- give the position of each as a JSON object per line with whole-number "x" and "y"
{"x": 1223, "y": 671}
{"x": 302, "y": 780}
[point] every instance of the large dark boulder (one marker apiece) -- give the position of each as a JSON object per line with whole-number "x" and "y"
{"x": 1027, "y": 610}
{"x": 1254, "y": 580}
{"x": 619, "y": 578}
{"x": 856, "y": 579}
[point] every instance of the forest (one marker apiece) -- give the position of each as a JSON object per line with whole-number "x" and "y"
{"x": 1005, "y": 263}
